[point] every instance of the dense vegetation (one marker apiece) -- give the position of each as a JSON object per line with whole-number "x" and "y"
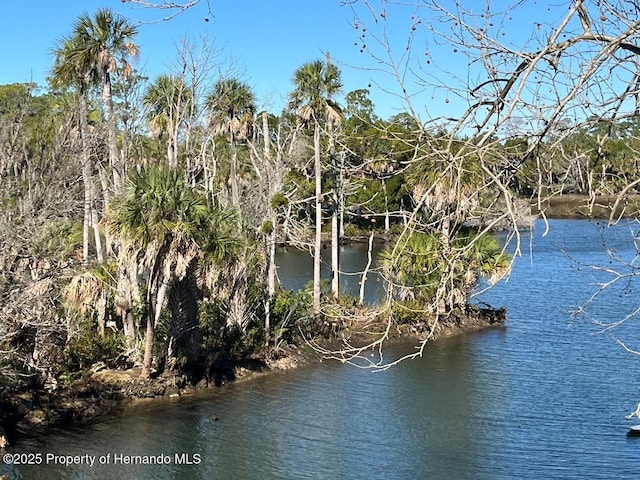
{"x": 140, "y": 216}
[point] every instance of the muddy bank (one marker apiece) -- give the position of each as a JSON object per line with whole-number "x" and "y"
{"x": 582, "y": 206}
{"x": 469, "y": 319}
{"x": 105, "y": 391}
{"x": 457, "y": 322}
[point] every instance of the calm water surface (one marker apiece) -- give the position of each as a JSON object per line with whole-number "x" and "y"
{"x": 544, "y": 398}
{"x": 295, "y": 270}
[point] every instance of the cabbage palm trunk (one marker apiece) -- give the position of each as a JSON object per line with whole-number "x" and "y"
{"x": 231, "y": 108}
{"x": 174, "y": 226}
{"x": 315, "y": 85}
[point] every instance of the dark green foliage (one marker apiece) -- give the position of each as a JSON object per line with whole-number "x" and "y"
{"x": 212, "y": 320}
{"x": 158, "y": 205}
{"x": 87, "y": 348}
{"x": 419, "y": 266}
{"x": 279, "y": 200}
{"x": 408, "y": 312}
{"x": 236, "y": 340}
{"x": 231, "y": 339}
{"x": 289, "y": 309}
{"x": 298, "y": 179}
{"x": 267, "y": 227}
{"x": 374, "y": 198}
{"x": 59, "y": 239}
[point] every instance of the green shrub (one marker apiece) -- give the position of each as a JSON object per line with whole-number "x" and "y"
{"x": 289, "y": 309}
{"x": 279, "y": 200}
{"x": 89, "y": 347}
{"x": 420, "y": 267}
{"x": 59, "y": 239}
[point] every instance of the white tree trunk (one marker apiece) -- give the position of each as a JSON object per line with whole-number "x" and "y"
{"x": 87, "y": 171}
{"x": 117, "y": 165}
{"x": 271, "y": 237}
{"x": 86, "y": 220}
{"x": 386, "y": 207}
{"x": 318, "y": 241}
{"x": 271, "y": 281}
{"x": 235, "y": 197}
{"x": 155, "y": 306}
{"x": 96, "y": 235}
{"x": 172, "y": 144}
{"x": 363, "y": 281}
{"x": 335, "y": 252}
{"x": 335, "y": 225}
{"x": 108, "y": 244}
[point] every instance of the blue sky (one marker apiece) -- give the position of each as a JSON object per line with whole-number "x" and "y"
{"x": 269, "y": 39}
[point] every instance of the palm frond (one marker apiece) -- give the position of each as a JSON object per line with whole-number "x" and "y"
{"x": 315, "y": 85}
{"x": 231, "y": 107}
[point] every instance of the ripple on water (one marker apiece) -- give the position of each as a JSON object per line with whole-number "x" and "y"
{"x": 544, "y": 398}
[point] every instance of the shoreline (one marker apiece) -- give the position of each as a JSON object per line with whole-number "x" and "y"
{"x": 107, "y": 392}
{"x": 573, "y": 206}
{"x": 104, "y": 392}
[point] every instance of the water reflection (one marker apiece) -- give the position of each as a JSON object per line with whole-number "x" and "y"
{"x": 295, "y": 269}
{"x": 543, "y": 398}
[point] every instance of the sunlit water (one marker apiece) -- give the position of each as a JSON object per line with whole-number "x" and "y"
{"x": 544, "y": 398}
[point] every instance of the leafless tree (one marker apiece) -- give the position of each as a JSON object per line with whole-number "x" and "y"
{"x": 169, "y": 9}
{"x": 267, "y": 205}
{"x": 542, "y": 79}
{"x": 35, "y": 231}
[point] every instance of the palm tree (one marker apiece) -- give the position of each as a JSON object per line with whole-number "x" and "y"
{"x": 315, "y": 85}
{"x": 418, "y": 270}
{"x": 173, "y": 225}
{"x": 73, "y": 69}
{"x": 105, "y": 41}
{"x": 232, "y": 107}
{"x": 167, "y": 100}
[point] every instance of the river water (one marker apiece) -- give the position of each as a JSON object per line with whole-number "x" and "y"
{"x": 295, "y": 270}
{"x": 544, "y": 398}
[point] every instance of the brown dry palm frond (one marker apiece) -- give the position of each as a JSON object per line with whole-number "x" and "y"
{"x": 128, "y": 289}
{"x": 306, "y": 113}
{"x": 333, "y": 112}
{"x": 83, "y": 292}
{"x": 86, "y": 294}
